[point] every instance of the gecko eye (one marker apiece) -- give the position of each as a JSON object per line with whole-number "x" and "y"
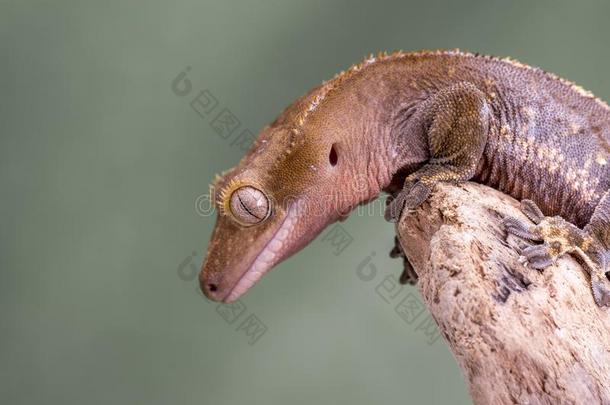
{"x": 249, "y": 206}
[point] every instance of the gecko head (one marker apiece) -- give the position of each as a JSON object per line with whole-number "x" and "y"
{"x": 281, "y": 195}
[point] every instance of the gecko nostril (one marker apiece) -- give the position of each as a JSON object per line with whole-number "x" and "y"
{"x": 212, "y": 287}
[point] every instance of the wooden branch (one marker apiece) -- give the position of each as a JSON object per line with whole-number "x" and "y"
{"x": 519, "y": 335}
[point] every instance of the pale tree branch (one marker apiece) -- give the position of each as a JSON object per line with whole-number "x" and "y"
{"x": 518, "y": 334}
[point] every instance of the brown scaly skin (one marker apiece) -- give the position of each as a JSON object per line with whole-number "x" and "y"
{"x": 401, "y": 123}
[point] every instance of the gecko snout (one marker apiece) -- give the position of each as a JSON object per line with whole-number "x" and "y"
{"x": 210, "y": 287}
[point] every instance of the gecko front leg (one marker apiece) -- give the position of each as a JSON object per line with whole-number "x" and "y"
{"x": 559, "y": 237}
{"x": 455, "y": 121}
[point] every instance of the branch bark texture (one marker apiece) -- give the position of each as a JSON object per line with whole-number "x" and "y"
{"x": 519, "y": 335}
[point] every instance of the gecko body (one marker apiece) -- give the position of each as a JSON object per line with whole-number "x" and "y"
{"x": 401, "y": 123}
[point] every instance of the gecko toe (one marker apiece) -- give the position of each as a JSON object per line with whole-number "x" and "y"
{"x": 408, "y": 276}
{"x": 519, "y": 228}
{"x": 394, "y": 208}
{"x": 417, "y": 194}
{"x": 537, "y": 257}
{"x": 601, "y": 290}
{"x": 411, "y": 197}
{"x": 531, "y": 210}
{"x": 397, "y": 249}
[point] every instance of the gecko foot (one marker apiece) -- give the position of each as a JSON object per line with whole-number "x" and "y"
{"x": 411, "y": 197}
{"x": 556, "y": 238}
{"x": 408, "y": 276}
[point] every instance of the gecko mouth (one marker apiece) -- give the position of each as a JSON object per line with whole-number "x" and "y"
{"x": 270, "y": 255}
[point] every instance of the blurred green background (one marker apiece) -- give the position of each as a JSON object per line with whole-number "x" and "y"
{"x": 101, "y": 164}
